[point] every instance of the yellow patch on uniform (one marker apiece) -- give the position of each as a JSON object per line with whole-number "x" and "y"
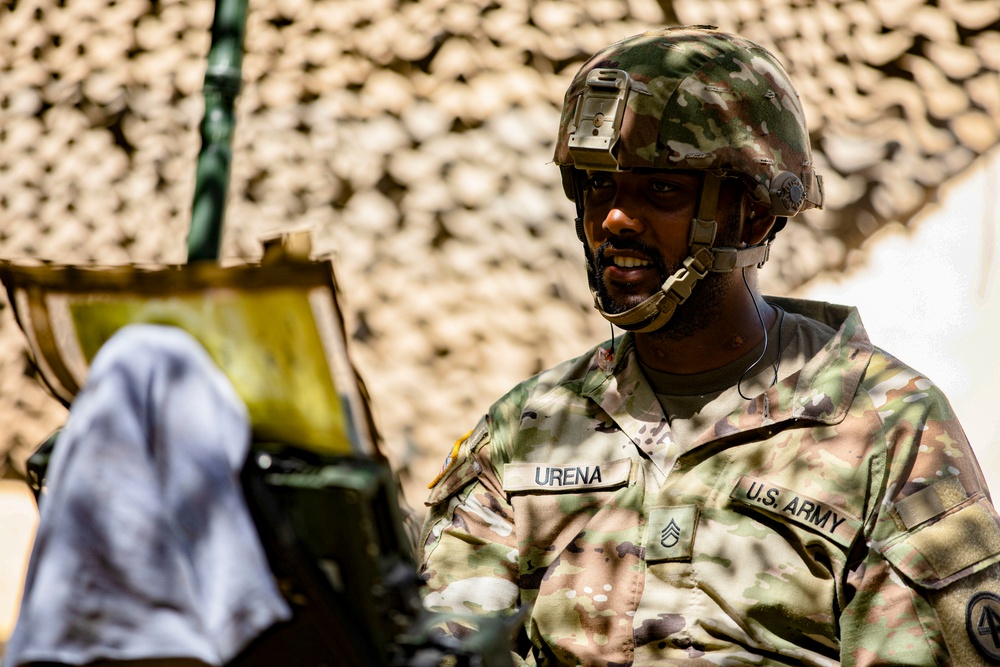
{"x": 450, "y": 460}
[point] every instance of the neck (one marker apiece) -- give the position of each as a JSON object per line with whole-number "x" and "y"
{"x": 732, "y": 332}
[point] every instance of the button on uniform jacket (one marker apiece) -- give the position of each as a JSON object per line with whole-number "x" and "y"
{"x": 840, "y": 517}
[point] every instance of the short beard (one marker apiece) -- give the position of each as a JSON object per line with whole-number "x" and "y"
{"x": 702, "y": 308}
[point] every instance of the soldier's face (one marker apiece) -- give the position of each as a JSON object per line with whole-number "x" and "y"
{"x": 637, "y": 225}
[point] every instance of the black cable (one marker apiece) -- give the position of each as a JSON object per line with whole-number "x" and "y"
{"x": 777, "y": 357}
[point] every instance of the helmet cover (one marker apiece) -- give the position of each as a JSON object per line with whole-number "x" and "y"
{"x": 691, "y": 98}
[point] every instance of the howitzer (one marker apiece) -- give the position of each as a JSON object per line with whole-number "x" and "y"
{"x": 322, "y": 495}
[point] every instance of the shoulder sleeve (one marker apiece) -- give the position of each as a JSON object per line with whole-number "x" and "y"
{"x": 926, "y": 589}
{"x": 469, "y": 546}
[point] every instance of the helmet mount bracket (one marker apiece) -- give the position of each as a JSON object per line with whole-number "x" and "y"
{"x": 597, "y": 121}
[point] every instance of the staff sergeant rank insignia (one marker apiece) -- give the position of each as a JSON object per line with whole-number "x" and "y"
{"x": 671, "y": 534}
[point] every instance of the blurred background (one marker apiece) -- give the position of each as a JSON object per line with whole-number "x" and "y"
{"x": 415, "y": 139}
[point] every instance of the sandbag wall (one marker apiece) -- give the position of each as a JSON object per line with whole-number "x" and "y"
{"x": 415, "y": 139}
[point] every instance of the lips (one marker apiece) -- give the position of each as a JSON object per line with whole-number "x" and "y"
{"x": 627, "y": 260}
{"x": 623, "y": 271}
{"x": 629, "y": 272}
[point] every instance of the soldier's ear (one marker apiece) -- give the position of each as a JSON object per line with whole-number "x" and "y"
{"x": 757, "y": 224}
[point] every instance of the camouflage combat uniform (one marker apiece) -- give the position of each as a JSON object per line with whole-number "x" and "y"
{"x": 839, "y": 517}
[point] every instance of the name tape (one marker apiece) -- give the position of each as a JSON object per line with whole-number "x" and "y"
{"x": 797, "y": 507}
{"x": 543, "y": 477}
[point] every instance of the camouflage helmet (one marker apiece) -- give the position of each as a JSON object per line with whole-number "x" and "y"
{"x": 690, "y": 98}
{"x": 695, "y": 98}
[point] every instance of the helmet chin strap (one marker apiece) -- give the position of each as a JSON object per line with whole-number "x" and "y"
{"x": 656, "y": 311}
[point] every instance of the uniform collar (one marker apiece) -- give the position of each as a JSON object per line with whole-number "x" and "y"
{"x": 623, "y": 392}
{"x": 821, "y": 392}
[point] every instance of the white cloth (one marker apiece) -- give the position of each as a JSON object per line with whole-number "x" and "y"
{"x": 145, "y": 547}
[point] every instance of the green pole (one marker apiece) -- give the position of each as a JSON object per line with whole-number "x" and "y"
{"x": 222, "y": 85}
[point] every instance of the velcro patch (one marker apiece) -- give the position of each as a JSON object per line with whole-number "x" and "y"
{"x": 545, "y": 477}
{"x": 963, "y": 539}
{"x": 930, "y": 502}
{"x": 790, "y": 505}
{"x": 670, "y": 533}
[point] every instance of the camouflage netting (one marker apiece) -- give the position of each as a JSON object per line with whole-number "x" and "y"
{"x": 416, "y": 138}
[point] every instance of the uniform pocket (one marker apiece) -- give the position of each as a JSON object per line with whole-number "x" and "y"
{"x": 557, "y": 503}
{"x": 961, "y": 542}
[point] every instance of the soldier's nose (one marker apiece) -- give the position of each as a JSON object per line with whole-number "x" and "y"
{"x": 620, "y": 223}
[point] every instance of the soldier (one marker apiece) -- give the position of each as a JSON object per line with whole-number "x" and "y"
{"x": 736, "y": 480}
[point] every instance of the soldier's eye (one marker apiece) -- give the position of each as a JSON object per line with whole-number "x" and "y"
{"x": 662, "y": 187}
{"x": 599, "y": 181}
{"x": 600, "y": 189}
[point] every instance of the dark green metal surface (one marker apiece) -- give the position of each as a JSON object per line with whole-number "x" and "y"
{"x": 222, "y": 85}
